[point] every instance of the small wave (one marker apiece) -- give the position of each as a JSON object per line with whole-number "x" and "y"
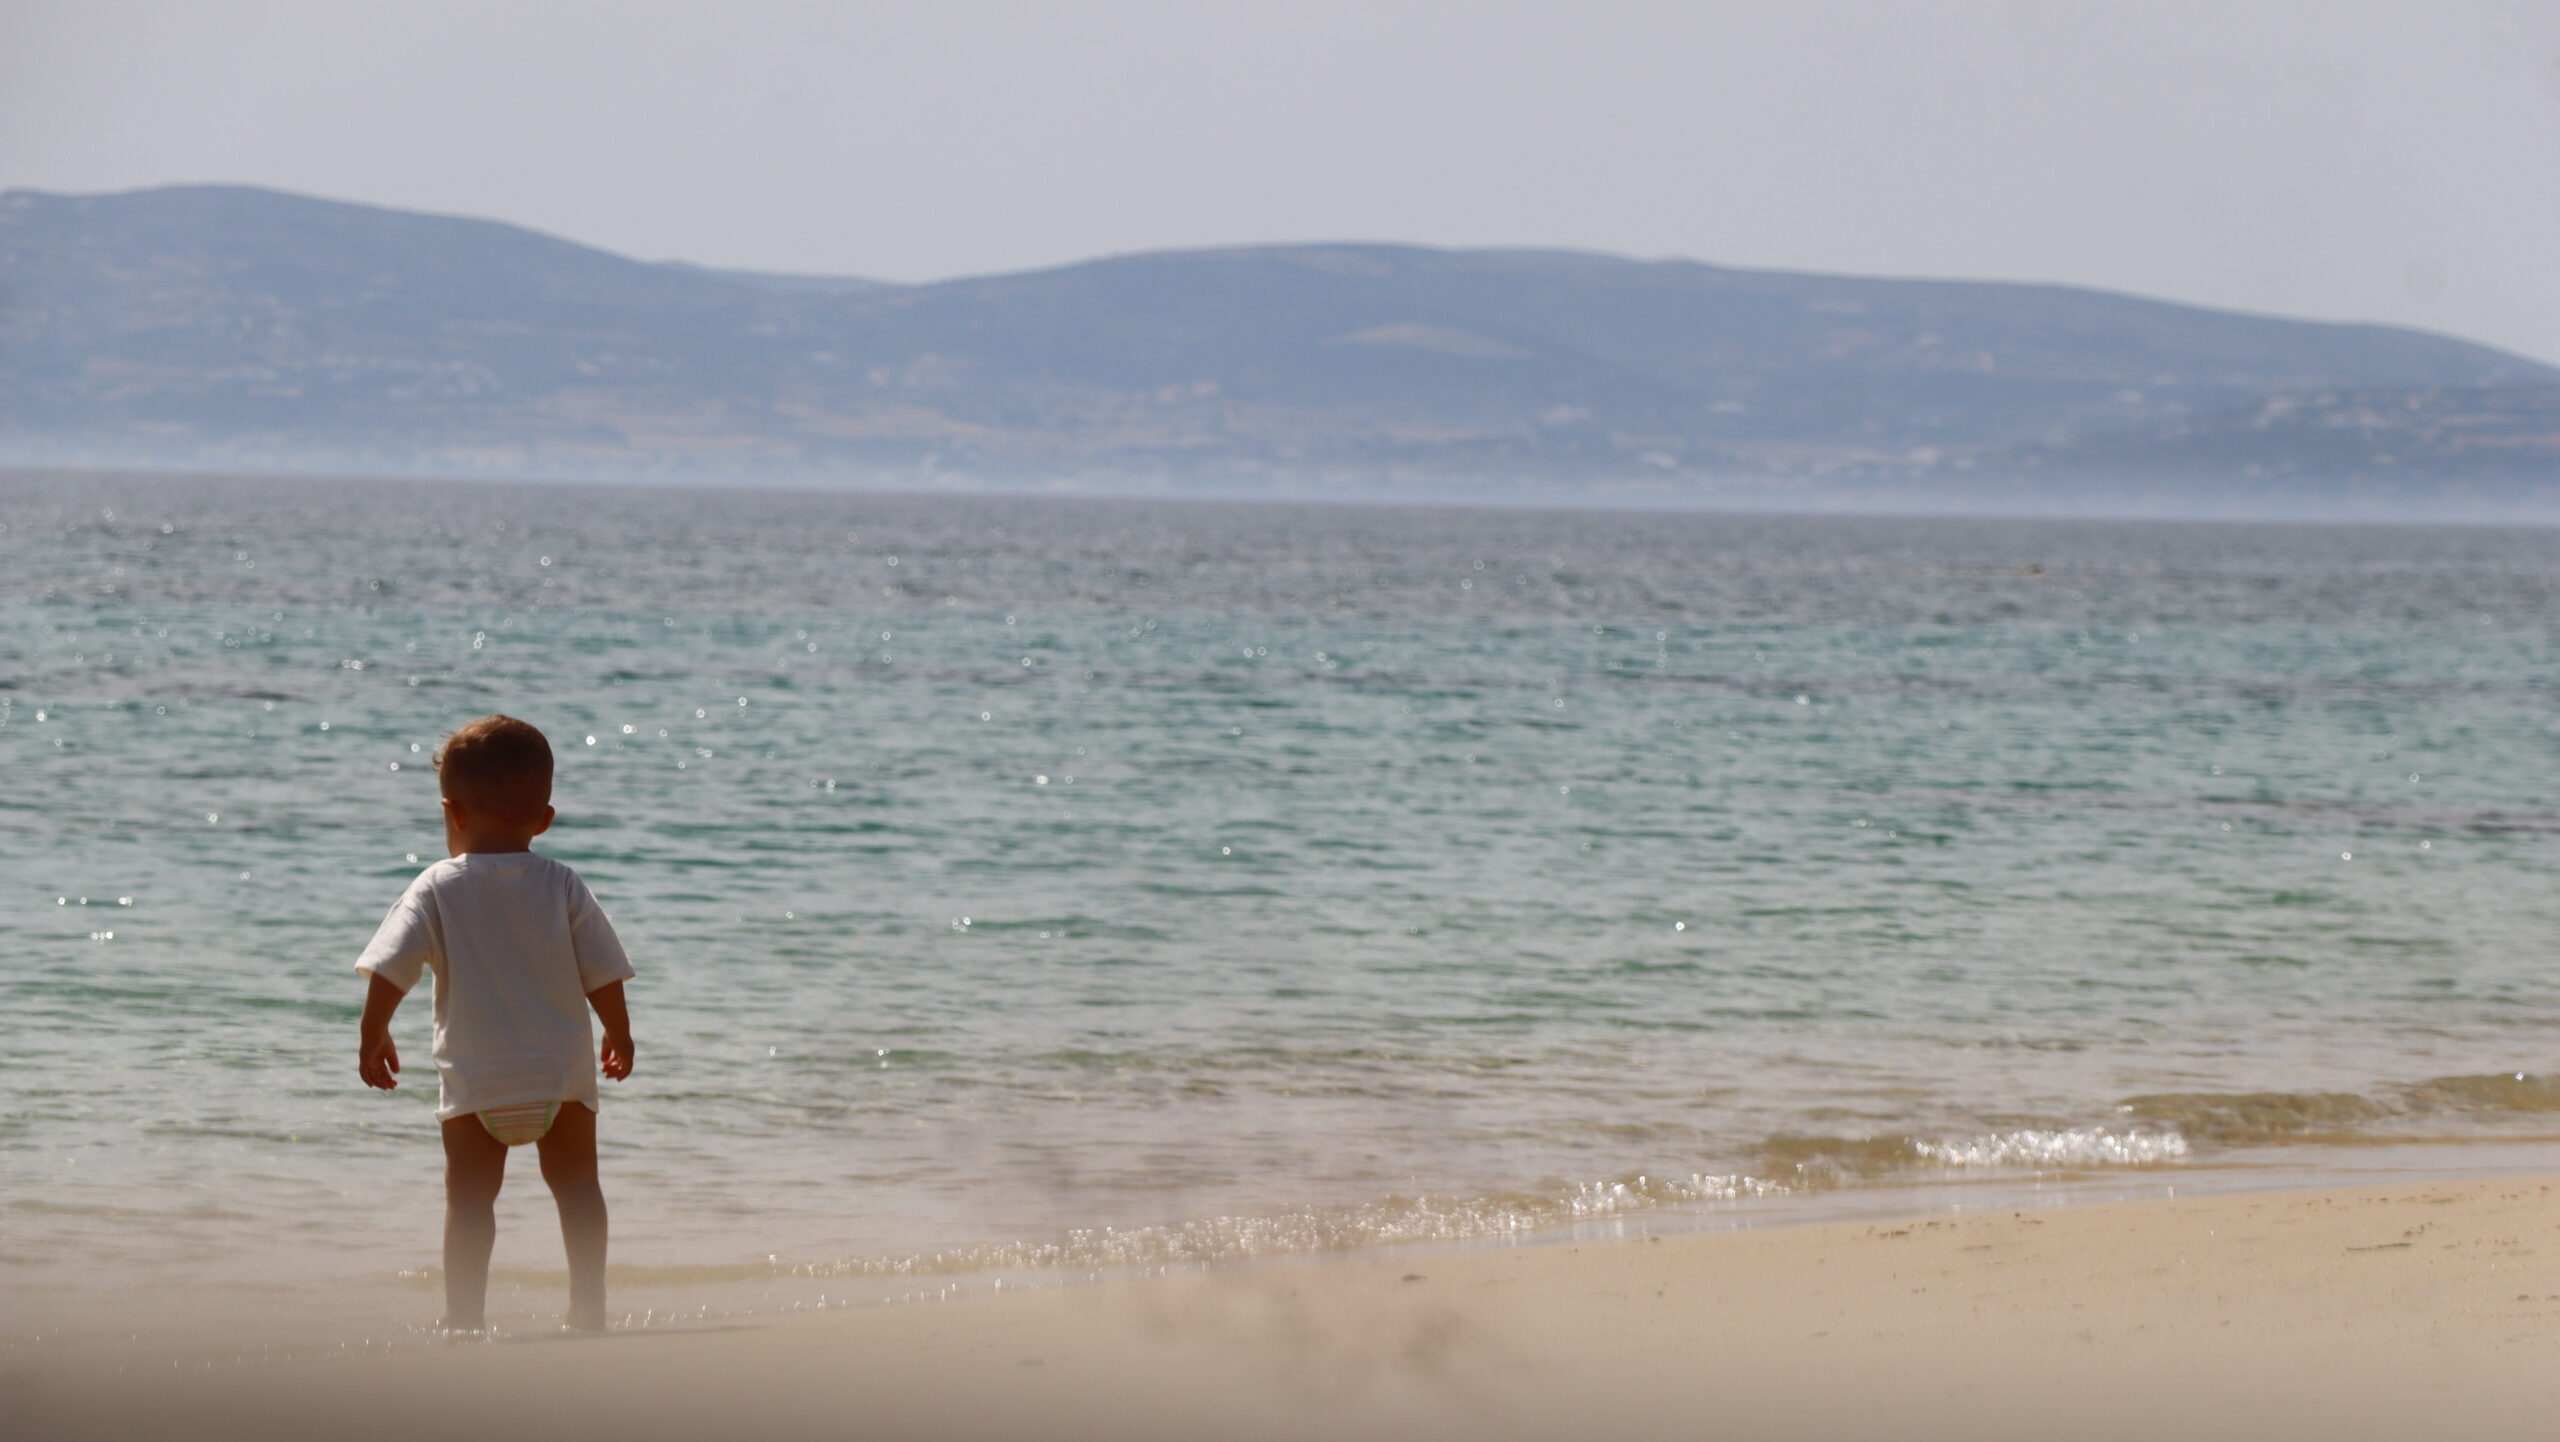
{"x": 2242, "y": 1119}
{"x": 1394, "y": 1221}
{"x": 1815, "y": 1162}
{"x": 2073, "y": 1147}
{"x": 1819, "y": 1159}
{"x": 1811, "y": 1162}
{"x": 1608, "y": 1199}
{"x": 2165, "y": 1128}
{"x": 1828, "y": 1160}
{"x": 2496, "y": 1092}
{"x": 2233, "y": 1119}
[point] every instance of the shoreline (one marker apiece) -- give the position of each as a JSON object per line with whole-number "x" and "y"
{"x": 237, "y": 1308}
{"x": 2338, "y": 1311}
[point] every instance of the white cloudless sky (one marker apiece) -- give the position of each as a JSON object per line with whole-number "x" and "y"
{"x": 2341, "y": 159}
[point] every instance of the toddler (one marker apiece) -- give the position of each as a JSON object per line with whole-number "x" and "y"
{"x": 520, "y": 951}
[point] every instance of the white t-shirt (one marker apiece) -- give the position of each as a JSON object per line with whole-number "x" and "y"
{"x": 516, "y": 941}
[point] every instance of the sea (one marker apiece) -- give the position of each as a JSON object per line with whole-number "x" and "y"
{"x": 1032, "y": 886}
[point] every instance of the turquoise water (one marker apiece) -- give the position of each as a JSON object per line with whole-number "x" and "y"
{"x": 1018, "y": 881}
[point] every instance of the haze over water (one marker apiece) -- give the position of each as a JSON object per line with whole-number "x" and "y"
{"x": 1245, "y": 878}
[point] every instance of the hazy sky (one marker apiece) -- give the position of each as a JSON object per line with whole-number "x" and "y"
{"x": 2341, "y": 159}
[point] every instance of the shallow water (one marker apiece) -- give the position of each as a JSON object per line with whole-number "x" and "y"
{"x": 1031, "y": 883}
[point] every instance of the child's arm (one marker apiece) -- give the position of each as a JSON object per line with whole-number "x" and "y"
{"x": 377, "y": 1060}
{"x": 607, "y": 1000}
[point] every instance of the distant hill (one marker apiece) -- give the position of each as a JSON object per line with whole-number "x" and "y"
{"x": 226, "y": 326}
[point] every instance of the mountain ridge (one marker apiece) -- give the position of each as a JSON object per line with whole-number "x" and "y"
{"x": 241, "y": 327}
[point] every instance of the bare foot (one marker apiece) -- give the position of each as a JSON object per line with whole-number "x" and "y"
{"x": 585, "y": 1321}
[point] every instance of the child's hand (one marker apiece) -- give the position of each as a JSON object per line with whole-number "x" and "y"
{"x": 378, "y": 1061}
{"x": 607, "y": 1000}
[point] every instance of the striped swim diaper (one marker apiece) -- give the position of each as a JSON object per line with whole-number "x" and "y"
{"x": 513, "y": 1126}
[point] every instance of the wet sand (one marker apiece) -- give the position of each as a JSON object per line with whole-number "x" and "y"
{"x": 2394, "y": 1311}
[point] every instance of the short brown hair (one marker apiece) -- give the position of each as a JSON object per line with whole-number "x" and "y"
{"x": 498, "y": 764}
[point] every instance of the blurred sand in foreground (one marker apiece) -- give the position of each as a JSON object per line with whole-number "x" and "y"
{"x": 2411, "y": 1310}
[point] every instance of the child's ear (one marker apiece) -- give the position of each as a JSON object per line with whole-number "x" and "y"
{"x": 547, "y": 816}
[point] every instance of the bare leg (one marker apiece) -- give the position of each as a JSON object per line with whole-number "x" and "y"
{"x": 569, "y": 1165}
{"x": 475, "y": 1166}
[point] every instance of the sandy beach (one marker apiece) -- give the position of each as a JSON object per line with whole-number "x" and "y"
{"x": 2415, "y": 1309}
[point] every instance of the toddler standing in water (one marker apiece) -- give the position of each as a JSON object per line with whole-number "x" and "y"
{"x": 520, "y": 951}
